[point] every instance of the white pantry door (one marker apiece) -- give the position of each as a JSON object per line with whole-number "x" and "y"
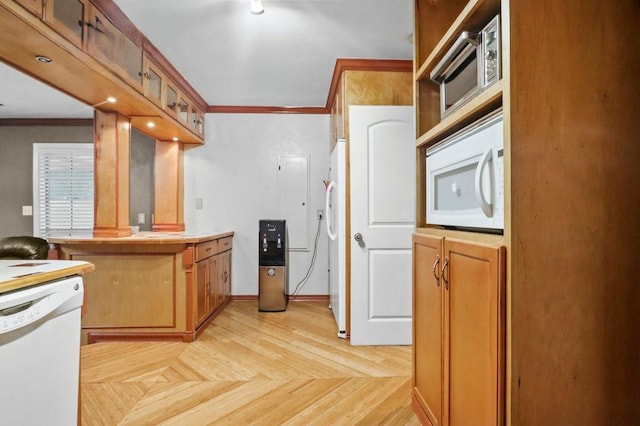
{"x": 382, "y": 159}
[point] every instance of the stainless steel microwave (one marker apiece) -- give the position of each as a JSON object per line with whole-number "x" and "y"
{"x": 469, "y": 67}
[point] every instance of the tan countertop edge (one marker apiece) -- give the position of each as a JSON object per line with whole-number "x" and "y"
{"x": 144, "y": 238}
{"x": 42, "y": 277}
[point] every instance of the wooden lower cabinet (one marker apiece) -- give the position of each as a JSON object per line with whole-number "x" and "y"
{"x": 427, "y": 328}
{"x": 459, "y": 329}
{"x": 212, "y": 278}
{"x": 202, "y": 273}
{"x": 224, "y": 275}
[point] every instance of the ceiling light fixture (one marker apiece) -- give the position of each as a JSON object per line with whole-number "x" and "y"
{"x": 256, "y": 7}
{"x": 43, "y": 59}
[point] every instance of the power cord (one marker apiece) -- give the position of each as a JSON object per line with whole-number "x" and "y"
{"x": 313, "y": 260}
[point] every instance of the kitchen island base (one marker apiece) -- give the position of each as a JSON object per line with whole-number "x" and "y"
{"x": 152, "y": 286}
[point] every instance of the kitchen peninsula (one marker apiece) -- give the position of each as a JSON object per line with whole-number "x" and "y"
{"x": 151, "y": 285}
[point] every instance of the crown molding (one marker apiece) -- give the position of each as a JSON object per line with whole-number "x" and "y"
{"x": 46, "y": 121}
{"x": 342, "y": 64}
{"x": 232, "y": 109}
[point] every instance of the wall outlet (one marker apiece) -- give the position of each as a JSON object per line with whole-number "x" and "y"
{"x": 198, "y": 203}
{"x": 27, "y": 211}
{"x": 320, "y": 214}
{"x": 141, "y": 219}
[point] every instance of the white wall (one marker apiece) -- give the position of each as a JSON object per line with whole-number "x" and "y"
{"x": 235, "y": 175}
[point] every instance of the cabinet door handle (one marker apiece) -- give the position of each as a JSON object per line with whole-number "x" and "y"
{"x": 435, "y": 270}
{"x": 442, "y": 273}
{"x": 95, "y": 26}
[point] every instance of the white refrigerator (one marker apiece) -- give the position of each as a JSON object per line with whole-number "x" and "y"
{"x": 335, "y": 209}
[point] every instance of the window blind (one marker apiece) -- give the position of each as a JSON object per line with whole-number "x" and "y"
{"x": 63, "y": 184}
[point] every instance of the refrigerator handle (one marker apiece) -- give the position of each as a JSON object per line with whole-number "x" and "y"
{"x": 327, "y": 209}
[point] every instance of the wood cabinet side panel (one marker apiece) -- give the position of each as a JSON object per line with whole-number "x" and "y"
{"x": 130, "y": 291}
{"x": 575, "y": 198}
{"x": 112, "y": 151}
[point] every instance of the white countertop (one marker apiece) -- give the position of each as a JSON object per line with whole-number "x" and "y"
{"x": 16, "y": 274}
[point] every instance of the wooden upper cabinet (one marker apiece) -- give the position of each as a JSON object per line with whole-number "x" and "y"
{"x": 34, "y": 6}
{"x": 93, "y": 41}
{"x": 114, "y": 49}
{"x": 67, "y": 17}
{"x": 367, "y": 82}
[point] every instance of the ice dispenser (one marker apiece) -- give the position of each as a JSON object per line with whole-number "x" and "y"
{"x": 273, "y": 274}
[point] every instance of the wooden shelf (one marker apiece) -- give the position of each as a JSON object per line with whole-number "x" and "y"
{"x": 477, "y": 237}
{"x": 487, "y": 101}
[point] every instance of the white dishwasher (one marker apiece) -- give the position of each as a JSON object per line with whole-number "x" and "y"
{"x": 40, "y": 353}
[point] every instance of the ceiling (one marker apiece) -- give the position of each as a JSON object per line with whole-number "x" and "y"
{"x": 283, "y": 57}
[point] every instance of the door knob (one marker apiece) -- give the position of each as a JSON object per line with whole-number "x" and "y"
{"x": 358, "y": 237}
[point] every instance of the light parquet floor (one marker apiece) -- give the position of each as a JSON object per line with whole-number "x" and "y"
{"x": 249, "y": 367}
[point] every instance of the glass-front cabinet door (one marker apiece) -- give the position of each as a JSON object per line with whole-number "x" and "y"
{"x": 114, "y": 49}
{"x": 154, "y": 82}
{"x": 200, "y": 125}
{"x": 68, "y": 17}
{"x": 183, "y": 110}
{"x": 171, "y": 101}
{"x": 197, "y": 121}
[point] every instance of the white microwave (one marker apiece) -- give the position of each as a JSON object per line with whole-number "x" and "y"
{"x": 465, "y": 177}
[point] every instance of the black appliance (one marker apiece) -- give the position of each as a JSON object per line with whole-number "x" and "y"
{"x": 273, "y": 274}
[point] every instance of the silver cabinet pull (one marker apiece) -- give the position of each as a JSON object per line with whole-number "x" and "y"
{"x": 435, "y": 270}
{"x": 442, "y": 273}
